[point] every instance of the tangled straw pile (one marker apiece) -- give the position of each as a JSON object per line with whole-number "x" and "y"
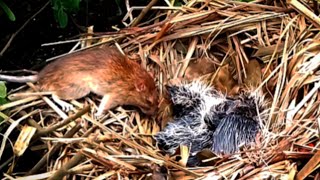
{"x": 268, "y": 45}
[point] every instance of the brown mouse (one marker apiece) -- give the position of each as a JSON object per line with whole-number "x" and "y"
{"x": 101, "y": 70}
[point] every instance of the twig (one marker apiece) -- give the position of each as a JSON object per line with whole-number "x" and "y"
{"x": 128, "y": 9}
{"x": 20, "y": 29}
{"x": 49, "y": 102}
{"x": 64, "y": 170}
{"x": 143, "y": 13}
{"x": 42, "y": 131}
{"x": 309, "y": 167}
{"x": 53, "y": 150}
{"x": 64, "y": 122}
{"x": 78, "y": 50}
{"x": 143, "y": 149}
{"x": 305, "y": 11}
{"x": 11, "y": 128}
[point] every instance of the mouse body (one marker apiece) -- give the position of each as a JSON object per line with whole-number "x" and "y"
{"x": 101, "y": 70}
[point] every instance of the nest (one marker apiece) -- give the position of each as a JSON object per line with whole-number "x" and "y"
{"x": 263, "y": 45}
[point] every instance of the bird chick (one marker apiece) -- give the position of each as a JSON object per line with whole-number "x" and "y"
{"x": 206, "y": 119}
{"x": 191, "y": 103}
{"x": 238, "y": 122}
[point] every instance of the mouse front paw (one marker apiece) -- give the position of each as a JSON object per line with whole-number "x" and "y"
{"x": 98, "y": 114}
{"x": 64, "y": 105}
{"x": 67, "y": 107}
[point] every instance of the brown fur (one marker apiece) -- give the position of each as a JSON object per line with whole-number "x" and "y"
{"x": 101, "y": 71}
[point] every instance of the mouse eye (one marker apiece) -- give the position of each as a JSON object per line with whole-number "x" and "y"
{"x": 149, "y": 101}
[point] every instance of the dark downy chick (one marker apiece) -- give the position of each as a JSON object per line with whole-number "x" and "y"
{"x": 238, "y": 122}
{"x": 191, "y": 103}
{"x": 204, "y": 118}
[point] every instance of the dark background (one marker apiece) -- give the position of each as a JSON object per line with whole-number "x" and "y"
{"x": 26, "y": 52}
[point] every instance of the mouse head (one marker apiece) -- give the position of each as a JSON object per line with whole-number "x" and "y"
{"x": 148, "y": 96}
{"x": 145, "y": 94}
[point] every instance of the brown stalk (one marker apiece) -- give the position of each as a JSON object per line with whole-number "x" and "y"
{"x": 143, "y": 13}
{"x": 64, "y": 170}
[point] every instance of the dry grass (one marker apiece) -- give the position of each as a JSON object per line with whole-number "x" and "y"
{"x": 271, "y": 47}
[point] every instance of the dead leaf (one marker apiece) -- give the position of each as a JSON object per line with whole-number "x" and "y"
{"x": 158, "y": 173}
{"x": 223, "y": 81}
{"x": 206, "y": 154}
{"x": 254, "y": 75}
{"x": 165, "y": 112}
{"x": 199, "y": 67}
{"x": 23, "y": 140}
{"x": 268, "y": 50}
{"x": 184, "y": 152}
{"x": 309, "y": 167}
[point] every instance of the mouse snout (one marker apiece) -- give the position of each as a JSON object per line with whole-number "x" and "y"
{"x": 151, "y": 105}
{"x": 151, "y": 110}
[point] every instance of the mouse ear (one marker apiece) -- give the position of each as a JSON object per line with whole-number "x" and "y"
{"x": 140, "y": 86}
{"x": 152, "y": 74}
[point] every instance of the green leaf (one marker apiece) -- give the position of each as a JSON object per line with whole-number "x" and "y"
{"x": 118, "y": 2}
{"x": 76, "y": 4}
{"x": 61, "y": 8}
{"x": 62, "y": 18}
{"x": 70, "y": 5}
{"x": 3, "y": 101}
{"x": 8, "y": 11}
{"x": 55, "y": 4}
{"x": 3, "y": 90}
{"x": 177, "y": 3}
{"x": 67, "y": 4}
